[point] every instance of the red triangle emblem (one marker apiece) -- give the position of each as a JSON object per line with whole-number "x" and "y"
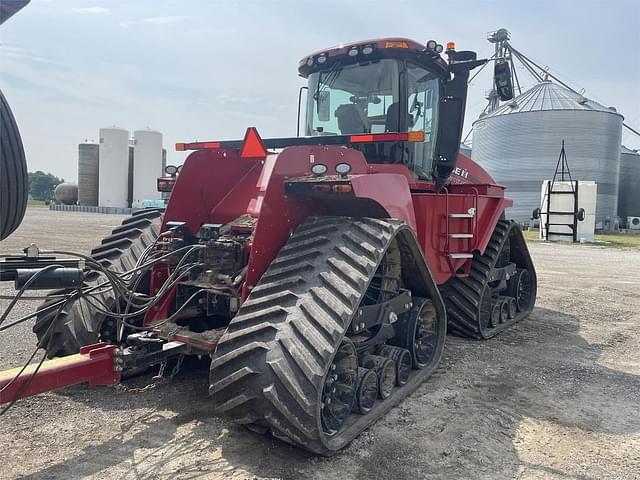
{"x": 252, "y": 146}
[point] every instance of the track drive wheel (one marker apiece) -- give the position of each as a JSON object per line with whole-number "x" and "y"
{"x": 78, "y": 323}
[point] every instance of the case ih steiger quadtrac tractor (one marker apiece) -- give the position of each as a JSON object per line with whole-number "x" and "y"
{"x": 320, "y": 273}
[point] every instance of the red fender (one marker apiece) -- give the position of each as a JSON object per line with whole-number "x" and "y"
{"x": 391, "y": 191}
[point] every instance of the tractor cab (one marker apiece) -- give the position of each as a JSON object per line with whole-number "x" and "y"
{"x": 391, "y": 86}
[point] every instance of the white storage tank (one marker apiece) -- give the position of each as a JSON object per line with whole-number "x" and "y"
{"x": 88, "y": 172}
{"x": 519, "y": 144}
{"x": 561, "y": 210}
{"x": 66, "y": 193}
{"x": 114, "y": 164}
{"x": 147, "y": 166}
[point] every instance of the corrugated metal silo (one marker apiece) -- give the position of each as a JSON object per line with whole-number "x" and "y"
{"x": 147, "y": 165}
{"x": 114, "y": 163}
{"x": 519, "y": 144}
{"x": 88, "y": 171}
{"x": 629, "y": 192}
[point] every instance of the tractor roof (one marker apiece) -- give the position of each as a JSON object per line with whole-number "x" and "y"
{"x": 391, "y": 46}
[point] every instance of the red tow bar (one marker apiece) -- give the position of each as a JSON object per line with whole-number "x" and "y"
{"x": 95, "y": 364}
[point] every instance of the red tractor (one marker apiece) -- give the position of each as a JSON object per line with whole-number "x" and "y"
{"x": 321, "y": 272}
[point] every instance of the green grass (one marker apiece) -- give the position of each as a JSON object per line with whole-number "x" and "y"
{"x": 617, "y": 240}
{"x": 36, "y": 204}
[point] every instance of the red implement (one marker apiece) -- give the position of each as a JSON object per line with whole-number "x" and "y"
{"x": 95, "y": 364}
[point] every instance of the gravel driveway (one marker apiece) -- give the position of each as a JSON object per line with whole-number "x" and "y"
{"x": 556, "y": 397}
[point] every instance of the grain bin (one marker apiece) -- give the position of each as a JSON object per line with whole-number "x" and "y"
{"x": 66, "y": 193}
{"x": 519, "y": 144}
{"x": 114, "y": 164}
{"x": 147, "y": 165}
{"x": 88, "y": 171}
{"x": 629, "y": 192}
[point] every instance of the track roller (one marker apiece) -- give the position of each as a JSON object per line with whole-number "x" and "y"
{"x": 367, "y": 391}
{"x": 402, "y": 360}
{"x": 512, "y": 307}
{"x": 385, "y": 369}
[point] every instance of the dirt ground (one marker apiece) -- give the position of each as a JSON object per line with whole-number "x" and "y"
{"x": 556, "y": 397}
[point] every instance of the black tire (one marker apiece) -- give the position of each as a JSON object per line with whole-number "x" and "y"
{"x": 14, "y": 180}
{"x": 79, "y": 323}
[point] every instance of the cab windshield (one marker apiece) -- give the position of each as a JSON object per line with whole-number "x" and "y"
{"x": 366, "y": 98}
{"x": 353, "y": 99}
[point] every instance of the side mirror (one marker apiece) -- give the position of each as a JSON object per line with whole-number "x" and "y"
{"x": 503, "y": 80}
{"x": 452, "y": 117}
{"x": 451, "y": 114}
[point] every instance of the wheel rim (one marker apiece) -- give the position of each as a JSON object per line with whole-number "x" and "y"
{"x": 495, "y": 315}
{"x": 524, "y": 291}
{"x": 504, "y": 312}
{"x": 425, "y": 337}
{"x": 387, "y": 378}
{"x": 403, "y": 368}
{"x": 367, "y": 390}
{"x": 513, "y": 308}
{"x": 339, "y": 388}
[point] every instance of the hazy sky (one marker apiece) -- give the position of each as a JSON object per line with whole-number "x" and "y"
{"x": 205, "y": 69}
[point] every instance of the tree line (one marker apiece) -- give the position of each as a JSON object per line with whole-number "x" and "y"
{"x": 42, "y": 185}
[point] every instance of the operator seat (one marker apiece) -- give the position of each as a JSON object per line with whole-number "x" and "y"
{"x": 393, "y": 115}
{"x": 394, "y": 152}
{"x": 351, "y": 119}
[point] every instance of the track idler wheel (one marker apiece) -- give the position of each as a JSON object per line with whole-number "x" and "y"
{"x": 521, "y": 288}
{"x": 340, "y": 385}
{"x": 417, "y": 332}
{"x": 402, "y": 360}
{"x": 367, "y": 391}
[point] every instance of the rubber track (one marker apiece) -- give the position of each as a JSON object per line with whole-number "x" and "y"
{"x": 462, "y": 296}
{"x": 14, "y": 185}
{"x": 79, "y": 323}
{"x": 269, "y": 367}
